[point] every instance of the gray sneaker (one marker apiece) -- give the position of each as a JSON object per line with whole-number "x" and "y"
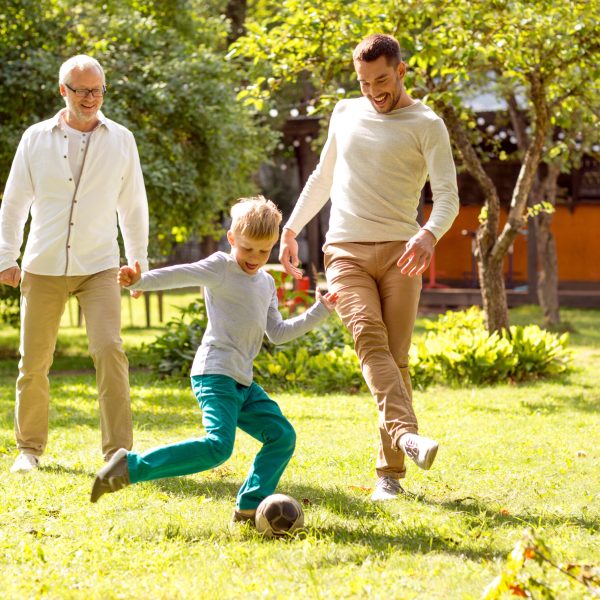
{"x": 419, "y": 448}
{"x": 113, "y": 476}
{"x": 387, "y": 488}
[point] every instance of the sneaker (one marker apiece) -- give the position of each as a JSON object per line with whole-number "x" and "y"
{"x": 387, "y": 488}
{"x": 113, "y": 476}
{"x": 243, "y": 516}
{"x": 420, "y": 449}
{"x": 25, "y": 462}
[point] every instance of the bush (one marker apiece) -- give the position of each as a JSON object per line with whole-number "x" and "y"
{"x": 9, "y": 305}
{"x": 456, "y": 350}
{"x": 173, "y": 352}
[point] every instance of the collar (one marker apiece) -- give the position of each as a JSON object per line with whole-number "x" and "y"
{"x": 55, "y": 121}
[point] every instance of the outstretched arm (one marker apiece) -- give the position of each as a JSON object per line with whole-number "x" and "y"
{"x": 280, "y": 330}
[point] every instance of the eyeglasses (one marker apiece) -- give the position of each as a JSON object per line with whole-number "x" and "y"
{"x": 85, "y": 92}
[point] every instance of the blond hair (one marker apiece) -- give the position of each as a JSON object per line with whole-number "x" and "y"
{"x": 256, "y": 218}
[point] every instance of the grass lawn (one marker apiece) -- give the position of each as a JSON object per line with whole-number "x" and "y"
{"x": 510, "y": 457}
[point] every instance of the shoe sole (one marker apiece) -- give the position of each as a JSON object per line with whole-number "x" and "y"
{"x": 96, "y": 490}
{"x": 103, "y": 483}
{"x": 430, "y": 457}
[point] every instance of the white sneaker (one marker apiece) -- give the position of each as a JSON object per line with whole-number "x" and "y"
{"x": 386, "y": 488}
{"x": 421, "y": 449}
{"x": 25, "y": 462}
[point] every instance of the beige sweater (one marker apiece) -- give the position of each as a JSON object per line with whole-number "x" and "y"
{"x": 373, "y": 167}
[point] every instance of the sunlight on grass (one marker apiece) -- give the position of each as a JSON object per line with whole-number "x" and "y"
{"x": 511, "y": 456}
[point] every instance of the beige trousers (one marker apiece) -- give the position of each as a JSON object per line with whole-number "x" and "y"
{"x": 43, "y": 300}
{"x": 379, "y": 306}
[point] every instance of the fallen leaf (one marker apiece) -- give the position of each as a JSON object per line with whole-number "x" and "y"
{"x": 517, "y": 590}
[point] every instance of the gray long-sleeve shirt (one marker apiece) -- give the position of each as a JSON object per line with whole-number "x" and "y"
{"x": 240, "y": 308}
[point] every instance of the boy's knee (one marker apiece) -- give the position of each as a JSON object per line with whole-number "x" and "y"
{"x": 284, "y": 435}
{"x": 221, "y": 449}
{"x": 290, "y": 437}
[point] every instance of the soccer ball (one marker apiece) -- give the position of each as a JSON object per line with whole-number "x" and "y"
{"x": 278, "y": 515}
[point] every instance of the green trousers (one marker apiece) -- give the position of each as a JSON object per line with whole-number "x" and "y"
{"x": 225, "y": 406}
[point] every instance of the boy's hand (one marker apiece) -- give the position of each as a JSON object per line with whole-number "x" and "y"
{"x": 329, "y": 299}
{"x": 129, "y": 275}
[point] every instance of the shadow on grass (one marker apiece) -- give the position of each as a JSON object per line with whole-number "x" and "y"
{"x": 478, "y": 509}
{"x": 361, "y": 522}
{"x": 59, "y": 469}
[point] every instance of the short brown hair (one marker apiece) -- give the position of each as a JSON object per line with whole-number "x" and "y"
{"x": 376, "y": 45}
{"x": 257, "y": 218}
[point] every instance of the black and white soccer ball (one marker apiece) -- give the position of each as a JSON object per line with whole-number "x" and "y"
{"x": 278, "y": 515}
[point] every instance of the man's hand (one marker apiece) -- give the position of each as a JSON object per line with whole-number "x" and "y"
{"x": 129, "y": 275}
{"x": 11, "y": 276}
{"x": 417, "y": 254}
{"x": 329, "y": 299}
{"x": 288, "y": 254}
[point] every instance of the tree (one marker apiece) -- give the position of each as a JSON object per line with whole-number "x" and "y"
{"x": 167, "y": 81}
{"x": 546, "y": 53}
{"x": 575, "y": 130}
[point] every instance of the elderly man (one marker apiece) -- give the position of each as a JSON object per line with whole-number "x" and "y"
{"x": 79, "y": 175}
{"x": 378, "y": 153}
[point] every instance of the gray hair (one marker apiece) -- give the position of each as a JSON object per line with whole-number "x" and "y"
{"x": 81, "y": 61}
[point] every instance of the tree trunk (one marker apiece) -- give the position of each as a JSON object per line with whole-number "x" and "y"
{"x": 236, "y": 13}
{"x": 489, "y": 262}
{"x": 547, "y": 288}
{"x": 493, "y": 292}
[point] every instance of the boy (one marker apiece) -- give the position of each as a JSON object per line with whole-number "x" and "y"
{"x": 241, "y": 305}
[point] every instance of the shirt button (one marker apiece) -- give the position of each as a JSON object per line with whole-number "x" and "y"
{"x": 65, "y": 156}
{"x": 72, "y": 224}
{"x": 70, "y": 179}
{"x": 65, "y": 137}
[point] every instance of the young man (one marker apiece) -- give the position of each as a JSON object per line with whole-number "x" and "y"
{"x": 379, "y": 151}
{"x": 79, "y": 175}
{"x": 241, "y": 305}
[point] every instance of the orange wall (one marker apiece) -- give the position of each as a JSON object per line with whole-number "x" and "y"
{"x": 577, "y": 243}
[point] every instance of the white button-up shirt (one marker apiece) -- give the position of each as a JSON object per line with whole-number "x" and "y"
{"x": 73, "y": 228}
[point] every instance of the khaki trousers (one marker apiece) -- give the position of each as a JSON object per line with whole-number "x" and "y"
{"x": 43, "y": 300}
{"x": 379, "y": 307}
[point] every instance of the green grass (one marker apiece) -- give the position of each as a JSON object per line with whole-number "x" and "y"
{"x": 510, "y": 457}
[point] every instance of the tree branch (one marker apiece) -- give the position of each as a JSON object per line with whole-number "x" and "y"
{"x": 475, "y": 168}
{"x": 518, "y": 122}
{"x": 529, "y": 166}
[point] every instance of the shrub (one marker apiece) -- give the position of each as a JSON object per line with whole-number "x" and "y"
{"x": 173, "y": 352}
{"x": 9, "y": 305}
{"x": 456, "y": 350}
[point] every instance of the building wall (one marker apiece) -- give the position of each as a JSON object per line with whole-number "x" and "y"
{"x": 575, "y": 231}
